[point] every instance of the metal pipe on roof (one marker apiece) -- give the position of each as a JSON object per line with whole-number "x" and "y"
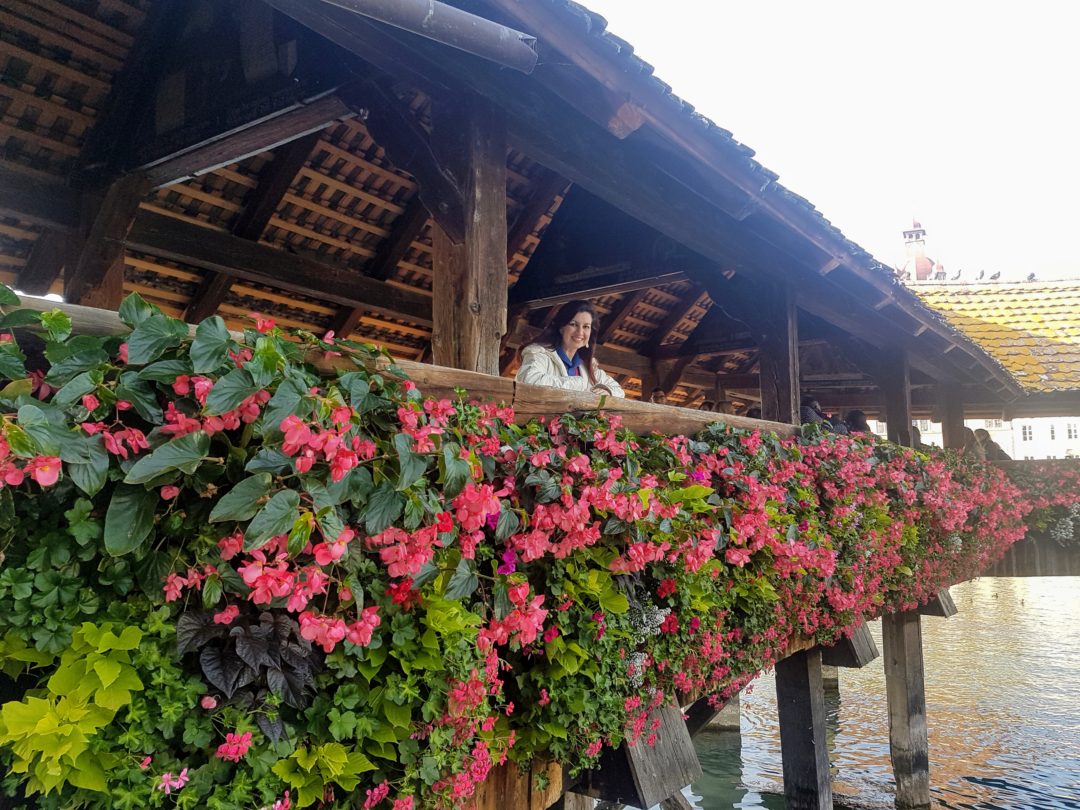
{"x": 451, "y": 26}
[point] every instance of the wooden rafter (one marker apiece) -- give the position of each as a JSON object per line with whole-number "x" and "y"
{"x": 407, "y": 228}
{"x": 678, "y": 314}
{"x": 617, "y": 316}
{"x": 46, "y": 260}
{"x": 259, "y": 136}
{"x": 394, "y": 127}
{"x": 273, "y": 183}
{"x": 548, "y": 188}
{"x": 614, "y": 284}
{"x": 196, "y": 246}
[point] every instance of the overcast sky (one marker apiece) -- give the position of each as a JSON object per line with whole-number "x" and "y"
{"x": 962, "y": 114}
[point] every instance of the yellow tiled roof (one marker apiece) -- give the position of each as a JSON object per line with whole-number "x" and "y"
{"x": 1031, "y": 328}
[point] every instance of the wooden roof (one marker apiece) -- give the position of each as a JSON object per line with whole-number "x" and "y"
{"x": 315, "y": 229}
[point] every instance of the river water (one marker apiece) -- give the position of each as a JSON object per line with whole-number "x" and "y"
{"x": 1003, "y": 710}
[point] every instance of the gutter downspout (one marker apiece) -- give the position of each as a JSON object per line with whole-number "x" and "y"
{"x": 453, "y": 27}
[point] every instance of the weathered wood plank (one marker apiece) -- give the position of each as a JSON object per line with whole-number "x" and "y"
{"x": 901, "y": 635}
{"x": 950, "y": 402}
{"x": 851, "y": 653}
{"x": 776, "y": 328}
{"x": 469, "y": 280}
{"x": 893, "y": 377}
{"x": 51, "y": 249}
{"x": 258, "y": 136}
{"x": 28, "y": 197}
{"x": 800, "y": 703}
{"x": 941, "y": 605}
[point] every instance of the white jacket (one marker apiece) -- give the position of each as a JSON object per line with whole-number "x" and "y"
{"x": 543, "y": 366}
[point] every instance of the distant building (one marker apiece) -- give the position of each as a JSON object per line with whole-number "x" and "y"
{"x": 918, "y": 266}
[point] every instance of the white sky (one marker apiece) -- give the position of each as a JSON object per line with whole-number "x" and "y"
{"x": 963, "y": 114}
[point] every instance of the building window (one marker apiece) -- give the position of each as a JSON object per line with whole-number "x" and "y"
{"x": 923, "y": 424}
{"x": 993, "y": 424}
{"x": 1051, "y": 457}
{"x": 1070, "y": 430}
{"x": 1025, "y": 433}
{"x": 1052, "y": 433}
{"x": 1070, "y": 454}
{"x": 1029, "y": 458}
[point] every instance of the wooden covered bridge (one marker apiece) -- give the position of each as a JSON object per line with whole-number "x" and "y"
{"x": 439, "y": 183}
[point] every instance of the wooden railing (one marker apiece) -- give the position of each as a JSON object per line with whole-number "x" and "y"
{"x": 528, "y": 401}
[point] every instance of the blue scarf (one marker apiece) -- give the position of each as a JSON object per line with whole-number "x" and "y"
{"x": 573, "y": 367}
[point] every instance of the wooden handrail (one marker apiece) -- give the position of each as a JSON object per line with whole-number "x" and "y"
{"x": 528, "y": 401}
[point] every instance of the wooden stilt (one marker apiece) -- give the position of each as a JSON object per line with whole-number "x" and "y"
{"x": 902, "y": 640}
{"x": 800, "y": 703}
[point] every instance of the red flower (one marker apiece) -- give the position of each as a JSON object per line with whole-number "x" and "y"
{"x": 667, "y": 588}
{"x": 235, "y": 746}
{"x": 44, "y": 469}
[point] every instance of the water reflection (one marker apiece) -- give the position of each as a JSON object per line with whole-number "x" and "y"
{"x": 1003, "y": 708}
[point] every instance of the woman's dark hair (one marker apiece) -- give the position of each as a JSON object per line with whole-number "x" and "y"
{"x": 856, "y": 420}
{"x": 551, "y": 337}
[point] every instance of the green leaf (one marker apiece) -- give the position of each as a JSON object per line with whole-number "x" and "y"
{"x": 20, "y": 317}
{"x": 184, "y": 453}
{"x": 90, "y": 472}
{"x": 8, "y": 298}
{"x": 165, "y": 371}
{"x": 289, "y": 400}
{"x": 134, "y": 310}
{"x": 507, "y": 525}
{"x": 75, "y": 390}
{"x": 385, "y": 505}
{"x": 153, "y": 337}
{"x": 57, "y": 323}
{"x": 16, "y": 389}
{"x": 210, "y": 347}
{"x": 130, "y": 519}
{"x": 614, "y": 602}
{"x": 456, "y": 471}
{"x": 242, "y": 501}
{"x": 265, "y": 361}
{"x": 410, "y": 464}
{"x": 464, "y": 581}
{"x": 277, "y": 517}
{"x": 141, "y": 395}
{"x": 400, "y": 716}
{"x": 268, "y": 459}
{"x": 230, "y": 391}
{"x": 12, "y": 362}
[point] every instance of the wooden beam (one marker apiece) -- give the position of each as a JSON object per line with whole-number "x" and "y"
{"x": 615, "y": 283}
{"x": 776, "y": 331}
{"x": 249, "y": 139}
{"x": 274, "y": 182}
{"x": 28, "y": 197}
{"x": 893, "y": 377}
{"x": 800, "y": 703}
{"x": 201, "y": 247}
{"x": 47, "y": 257}
{"x": 395, "y": 128}
{"x": 679, "y": 313}
{"x": 851, "y": 653}
{"x": 548, "y": 188}
{"x": 102, "y": 250}
{"x": 618, "y": 315}
{"x": 951, "y": 405}
{"x": 941, "y": 604}
{"x": 469, "y": 280}
{"x": 901, "y": 635}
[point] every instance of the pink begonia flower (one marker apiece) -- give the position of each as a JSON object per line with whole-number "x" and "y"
{"x": 227, "y": 615}
{"x": 145, "y": 763}
{"x": 90, "y": 402}
{"x": 262, "y": 324}
{"x": 123, "y": 405}
{"x": 208, "y": 702}
{"x": 234, "y": 747}
{"x": 44, "y": 469}
{"x": 122, "y": 353}
{"x": 168, "y": 492}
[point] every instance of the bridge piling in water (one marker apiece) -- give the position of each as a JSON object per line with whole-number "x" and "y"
{"x": 800, "y": 703}
{"x": 901, "y": 635}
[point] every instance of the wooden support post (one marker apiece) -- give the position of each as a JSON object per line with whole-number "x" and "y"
{"x": 901, "y": 635}
{"x": 100, "y": 261}
{"x": 800, "y": 702}
{"x": 951, "y": 404}
{"x": 469, "y": 280}
{"x": 894, "y": 381}
{"x": 776, "y": 331}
